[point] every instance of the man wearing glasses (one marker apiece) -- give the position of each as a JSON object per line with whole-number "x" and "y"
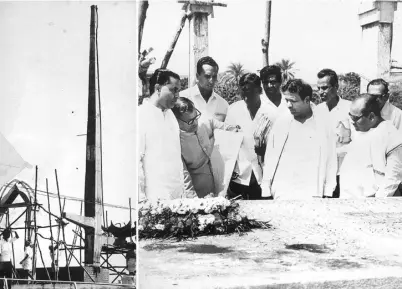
{"x": 373, "y": 164}
{"x": 338, "y": 109}
{"x": 202, "y": 94}
{"x": 161, "y": 169}
{"x": 196, "y": 148}
{"x": 379, "y": 88}
{"x": 271, "y": 78}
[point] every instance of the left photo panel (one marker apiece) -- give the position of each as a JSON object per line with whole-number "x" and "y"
{"x": 68, "y": 202}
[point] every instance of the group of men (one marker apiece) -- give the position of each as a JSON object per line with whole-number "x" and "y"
{"x": 338, "y": 148}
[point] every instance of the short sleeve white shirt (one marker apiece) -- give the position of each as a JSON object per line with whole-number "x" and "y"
{"x": 216, "y": 107}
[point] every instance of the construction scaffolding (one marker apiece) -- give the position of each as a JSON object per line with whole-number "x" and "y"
{"x": 44, "y": 225}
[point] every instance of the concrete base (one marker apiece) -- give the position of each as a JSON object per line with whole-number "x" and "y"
{"x": 322, "y": 243}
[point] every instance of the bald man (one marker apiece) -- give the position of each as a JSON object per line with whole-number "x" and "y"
{"x": 379, "y": 89}
{"x": 373, "y": 164}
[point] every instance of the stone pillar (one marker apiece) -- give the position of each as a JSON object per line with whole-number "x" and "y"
{"x": 376, "y": 19}
{"x": 200, "y": 47}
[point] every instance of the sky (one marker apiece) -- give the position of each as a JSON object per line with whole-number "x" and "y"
{"x": 44, "y": 70}
{"x": 314, "y": 34}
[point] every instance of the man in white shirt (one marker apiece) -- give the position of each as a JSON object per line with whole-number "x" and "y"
{"x": 379, "y": 88}
{"x": 247, "y": 114}
{"x": 300, "y": 159}
{"x": 208, "y": 102}
{"x": 27, "y": 261}
{"x": 271, "y": 78}
{"x": 160, "y": 167}
{"x": 6, "y": 253}
{"x": 338, "y": 109}
{"x": 373, "y": 164}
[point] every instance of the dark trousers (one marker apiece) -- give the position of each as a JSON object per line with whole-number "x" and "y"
{"x": 250, "y": 192}
{"x": 337, "y": 189}
{"x": 6, "y": 270}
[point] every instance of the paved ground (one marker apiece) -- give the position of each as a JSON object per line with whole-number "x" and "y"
{"x": 345, "y": 243}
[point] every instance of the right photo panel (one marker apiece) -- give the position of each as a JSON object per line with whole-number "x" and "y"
{"x": 269, "y": 144}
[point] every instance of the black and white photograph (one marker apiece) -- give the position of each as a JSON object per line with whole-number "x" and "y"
{"x": 269, "y": 144}
{"x": 67, "y": 144}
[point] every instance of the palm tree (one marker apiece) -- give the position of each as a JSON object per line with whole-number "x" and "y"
{"x": 233, "y": 73}
{"x": 287, "y": 69}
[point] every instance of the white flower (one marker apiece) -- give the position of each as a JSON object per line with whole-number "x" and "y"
{"x": 210, "y": 219}
{"x": 182, "y": 211}
{"x": 160, "y": 227}
{"x": 140, "y": 227}
{"x": 159, "y": 210}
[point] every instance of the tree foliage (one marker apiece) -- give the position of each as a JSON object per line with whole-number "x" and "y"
{"x": 349, "y": 85}
{"x": 233, "y": 73}
{"x": 395, "y": 94}
{"x": 287, "y": 68}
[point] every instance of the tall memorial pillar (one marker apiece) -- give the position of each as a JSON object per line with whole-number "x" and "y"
{"x": 376, "y": 19}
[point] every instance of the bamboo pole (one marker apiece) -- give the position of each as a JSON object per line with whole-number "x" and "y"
{"x": 43, "y": 263}
{"x": 35, "y": 229}
{"x": 12, "y": 244}
{"x": 79, "y": 264}
{"x": 14, "y": 220}
{"x": 143, "y": 7}
{"x": 265, "y": 41}
{"x": 81, "y": 239}
{"x": 60, "y": 225}
{"x": 131, "y": 221}
{"x": 119, "y": 275}
{"x": 75, "y": 237}
{"x": 50, "y": 224}
{"x": 176, "y": 37}
{"x": 61, "y": 221}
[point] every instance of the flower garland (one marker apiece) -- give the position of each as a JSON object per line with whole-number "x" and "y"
{"x": 189, "y": 218}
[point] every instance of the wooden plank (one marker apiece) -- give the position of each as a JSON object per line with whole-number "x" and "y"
{"x": 321, "y": 243}
{"x": 16, "y": 205}
{"x": 79, "y": 220}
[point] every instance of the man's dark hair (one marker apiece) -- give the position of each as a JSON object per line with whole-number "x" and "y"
{"x": 161, "y": 77}
{"x": 250, "y": 78}
{"x": 370, "y": 104}
{"x": 379, "y": 81}
{"x": 333, "y": 77}
{"x": 206, "y": 60}
{"x": 271, "y": 70}
{"x": 298, "y": 86}
{"x": 6, "y": 234}
{"x": 182, "y": 105}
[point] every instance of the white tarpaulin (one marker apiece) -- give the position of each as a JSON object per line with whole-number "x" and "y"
{"x": 223, "y": 159}
{"x": 11, "y": 163}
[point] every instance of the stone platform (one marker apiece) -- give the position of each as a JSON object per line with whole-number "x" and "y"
{"x": 321, "y": 243}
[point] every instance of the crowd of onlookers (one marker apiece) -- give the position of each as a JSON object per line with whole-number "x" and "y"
{"x": 291, "y": 148}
